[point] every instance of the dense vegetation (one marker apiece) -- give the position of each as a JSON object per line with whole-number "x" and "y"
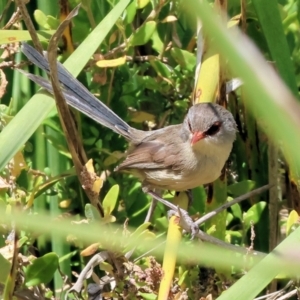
{"x": 141, "y": 59}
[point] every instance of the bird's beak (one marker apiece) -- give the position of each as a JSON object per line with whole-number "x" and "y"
{"x": 197, "y": 136}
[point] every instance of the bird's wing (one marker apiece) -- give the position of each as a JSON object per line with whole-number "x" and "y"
{"x": 152, "y": 155}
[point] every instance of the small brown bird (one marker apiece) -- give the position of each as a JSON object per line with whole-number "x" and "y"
{"x": 177, "y": 157}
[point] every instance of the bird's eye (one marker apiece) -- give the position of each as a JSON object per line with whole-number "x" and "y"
{"x": 189, "y": 124}
{"x": 213, "y": 129}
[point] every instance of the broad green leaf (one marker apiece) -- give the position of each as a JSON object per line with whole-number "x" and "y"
{"x": 254, "y": 213}
{"x": 13, "y": 36}
{"x": 162, "y": 70}
{"x": 40, "y": 18}
{"x": 41, "y": 270}
{"x": 157, "y": 43}
{"x": 143, "y": 34}
{"x": 229, "y": 218}
{"x": 185, "y": 59}
{"x": 240, "y": 188}
{"x": 130, "y": 13}
{"x": 52, "y": 22}
{"x": 46, "y": 22}
{"x": 91, "y": 213}
{"x": 236, "y": 211}
{"x": 110, "y": 200}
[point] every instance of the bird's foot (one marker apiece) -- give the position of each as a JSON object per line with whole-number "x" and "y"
{"x": 185, "y": 222}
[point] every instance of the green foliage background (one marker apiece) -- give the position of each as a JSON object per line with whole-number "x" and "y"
{"x": 153, "y": 89}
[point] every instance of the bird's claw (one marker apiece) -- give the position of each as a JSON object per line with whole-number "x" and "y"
{"x": 185, "y": 221}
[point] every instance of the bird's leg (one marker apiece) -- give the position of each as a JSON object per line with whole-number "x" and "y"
{"x": 185, "y": 220}
{"x": 151, "y": 210}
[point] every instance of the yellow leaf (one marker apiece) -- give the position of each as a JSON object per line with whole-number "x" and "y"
{"x": 107, "y": 63}
{"x": 89, "y": 166}
{"x": 109, "y": 219}
{"x": 208, "y": 79}
{"x": 235, "y": 21}
{"x": 65, "y": 203}
{"x": 113, "y": 38}
{"x": 90, "y": 250}
{"x": 18, "y": 164}
{"x": 97, "y": 185}
{"x": 169, "y": 19}
{"x": 141, "y": 116}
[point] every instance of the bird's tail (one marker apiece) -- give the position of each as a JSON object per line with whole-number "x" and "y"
{"x": 75, "y": 93}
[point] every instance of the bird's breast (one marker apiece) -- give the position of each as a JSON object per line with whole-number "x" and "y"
{"x": 197, "y": 167}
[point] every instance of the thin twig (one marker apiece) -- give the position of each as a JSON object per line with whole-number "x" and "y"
{"x": 288, "y": 295}
{"x": 277, "y": 293}
{"x": 232, "y": 202}
{"x": 16, "y": 17}
{"x": 29, "y": 25}
{"x": 212, "y": 240}
{"x": 151, "y": 210}
{"x": 185, "y": 223}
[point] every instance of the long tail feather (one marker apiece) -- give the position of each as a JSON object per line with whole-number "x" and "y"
{"x": 75, "y": 93}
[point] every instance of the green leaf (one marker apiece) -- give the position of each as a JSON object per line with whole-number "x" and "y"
{"x": 52, "y": 22}
{"x": 271, "y": 23}
{"x": 241, "y": 188}
{"x": 185, "y": 59}
{"x": 254, "y": 213}
{"x": 40, "y": 18}
{"x": 41, "y": 270}
{"x": 91, "y": 212}
{"x": 110, "y": 200}
{"x": 183, "y": 277}
{"x": 162, "y": 70}
{"x": 46, "y": 22}
{"x": 130, "y": 13}
{"x": 143, "y": 34}
{"x": 236, "y": 211}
